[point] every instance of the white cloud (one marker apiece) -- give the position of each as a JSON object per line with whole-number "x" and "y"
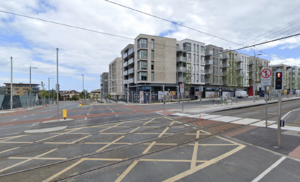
{"x": 83, "y": 52}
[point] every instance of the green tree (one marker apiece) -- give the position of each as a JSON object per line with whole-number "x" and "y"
{"x": 108, "y": 96}
{"x": 74, "y": 97}
{"x": 81, "y": 95}
{"x": 43, "y": 92}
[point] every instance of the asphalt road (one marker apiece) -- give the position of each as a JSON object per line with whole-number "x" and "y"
{"x": 117, "y": 142}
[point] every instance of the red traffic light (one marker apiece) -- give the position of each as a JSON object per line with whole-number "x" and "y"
{"x": 278, "y": 75}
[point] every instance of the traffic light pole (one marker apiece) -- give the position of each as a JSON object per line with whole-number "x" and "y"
{"x": 164, "y": 97}
{"x": 279, "y": 118}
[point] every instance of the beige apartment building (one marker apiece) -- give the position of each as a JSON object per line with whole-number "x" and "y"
{"x": 115, "y": 80}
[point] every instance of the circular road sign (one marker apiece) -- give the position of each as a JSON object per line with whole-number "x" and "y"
{"x": 266, "y": 73}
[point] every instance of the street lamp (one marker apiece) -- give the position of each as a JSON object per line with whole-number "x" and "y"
{"x": 291, "y": 82}
{"x": 11, "y": 80}
{"x": 254, "y": 78}
{"x": 83, "y": 89}
{"x": 30, "y": 67}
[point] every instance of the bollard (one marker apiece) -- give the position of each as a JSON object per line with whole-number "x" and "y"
{"x": 65, "y": 114}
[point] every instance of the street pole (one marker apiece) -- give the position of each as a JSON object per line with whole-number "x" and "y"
{"x": 182, "y": 100}
{"x": 57, "y": 89}
{"x": 30, "y": 86}
{"x": 48, "y": 90}
{"x": 279, "y": 118}
{"x": 266, "y": 106}
{"x": 11, "y": 80}
{"x": 177, "y": 96}
{"x": 164, "y": 97}
{"x": 291, "y": 83}
{"x": 127, "y": 91}
{"x": 200, "y": 96}
{"x": 254, "y": 79}
{"x": 26, "y": 99}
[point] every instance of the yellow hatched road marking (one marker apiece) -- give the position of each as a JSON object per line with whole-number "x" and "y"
{"x": 206, "y": 164}
{"x": 227, "y": 140}
{"x": 113, "y": 133}
{"x": 9, "y": 150}
{"x": 198, "y": 134}
{"x": 40, "y": 158}
{"x": 57, "y": 135}
{"x": 169, "y": 118}
{"x": 111, "y": 127}
{"x": 148, "y": 121}
{"x": 163, "y": 132}
{"x": 194, "y": 158}
{"x": 15, "y": 142}
{"x": 110, "y": 144}
{"x": 161, "y": 143}
{"x": 153, "y": 133}
{"x": 168, "y": 160}
{"x": 117, "y": 143}
{"x": 216, "y": 144}
{"x": 134, "y": 130}
{"x": 148, "y": 148}
{"x": 120, "y": 178}
{"x": 172, "y": 123}
{"x": 27, "y": 160}
{"x": 102, "y": 159}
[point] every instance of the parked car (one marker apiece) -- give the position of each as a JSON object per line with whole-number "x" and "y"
{"x": 241, "y": 94}
{"x": 261, "y": 93}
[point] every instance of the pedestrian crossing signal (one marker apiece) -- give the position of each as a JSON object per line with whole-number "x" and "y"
{"x": 278, "y": 80}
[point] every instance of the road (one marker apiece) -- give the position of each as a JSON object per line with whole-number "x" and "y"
{"x": 119, "y": 142}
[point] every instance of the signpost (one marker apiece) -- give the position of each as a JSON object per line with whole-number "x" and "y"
{"x": 265, "y": 77}
{"x": 278, "y": 85}
{"x": 182, "y": 92}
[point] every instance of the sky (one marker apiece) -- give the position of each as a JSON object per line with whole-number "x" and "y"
{"x": 33, "y": 43}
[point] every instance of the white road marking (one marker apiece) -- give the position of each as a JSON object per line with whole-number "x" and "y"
{"x": 289, "y": 113}
{"x": 258, "y": 178}
{"x": 15, "y": 119}
{"x": 34, "y": 124}
{"x": 25, "y": 116}
{"x": 85, "y": 118}
{"x": 88, "y": 113}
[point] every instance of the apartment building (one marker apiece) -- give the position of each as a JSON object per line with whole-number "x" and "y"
{"x": 115, "y": 81}
{"x": 22, "y": 88}
{"x": 104, "y": 84}
{"x": 128, "y": 67}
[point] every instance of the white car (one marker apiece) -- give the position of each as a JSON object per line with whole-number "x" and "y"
{"x": 241, "y": 94}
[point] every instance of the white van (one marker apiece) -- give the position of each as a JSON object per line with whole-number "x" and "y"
{"x": 241, "y": 94}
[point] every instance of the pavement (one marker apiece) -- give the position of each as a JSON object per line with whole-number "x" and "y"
{"x": 119, "y": 142}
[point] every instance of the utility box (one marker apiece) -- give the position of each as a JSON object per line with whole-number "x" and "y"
{"x": 64, "y": 114}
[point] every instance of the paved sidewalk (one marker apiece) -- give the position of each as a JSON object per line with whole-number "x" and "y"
{"x": 229, "y": 106}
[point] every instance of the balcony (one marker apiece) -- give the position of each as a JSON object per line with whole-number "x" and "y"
{"x": 225, "y": 56}
{"x": 130, "y": 80}
{"x": 202, "y": 62}
{"x": 225, "y": 65}
{"x": 125, "y": 73}
{"x": 261, "y": 65}
{"x": 239, "y": 60}
{"x": 130, "y": 51}
{"x": 208, "y": 53}
{"x": 221, "y": 74}
{"x": 130, "y": 71}
{"x": 221, "y": 82}
{"x": 130, "y": 61}
{"x": 240, "y": 75}
{"x": 224, "y": 82}
{"x": 221, "y": 56}
{"x": 210, "y": 62}
{"x": 208, "y": 71}
{"x": 183, "y": 49}
{"x": 207, "y": 80}
{"x": 181, "y": 69}
{"x": 180, "y": 79}
{"x": 125, "y": 55}
{"x": 239, "y": 68}
{"x": 181, "y": 59}
{"x": 125, "y": 64}
{"x": 250, "y": 63}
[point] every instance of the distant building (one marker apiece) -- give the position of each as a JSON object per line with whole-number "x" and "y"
{"x": 21, "y": 88}
{"x": 95, "y": 94}
{"x": 2, "y": 90}
{"x": 115, "y": 80}
{"x": 66, "y": 95}
{"x": 104, "y": 84}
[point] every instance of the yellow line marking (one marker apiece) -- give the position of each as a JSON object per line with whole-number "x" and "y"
{"x": 120, "y": 143}
{"x": 194, "y": 157}
{"x": 206, "y": 164}
{"x": 227, "y": 140}
{"x": 40, "y": 158}
{"x": 172, "y": 123}
{"x": 111, "y": 127}
{"x": 148, "y": 121}
{"x": 27, "y": 160}
{"x": 113, "y": 133}
{"x": 10, "y": 138}
{"x": 110, "y": 143}
{"x": 15, "y": 142}
{"x": 9, "y": 150}
{"x": 103, "y": 159}
{"x": 216, "y": 144}
{"x": 206, "y": 132}
{"x": 134, "y": 130}
{"x": 67, "y": 142}
{"x": 168, "y": 160}
{"x": 163, "y": 132}
{"x": 153, "y": 133}
{"x": 66, "y": 169}
{"x": 75, "y": 133}
{"x": 198, "y": 134}
{"x": 57, "y": 135}
{"x": 186, "y": 125}
{"x": 120, "y": 178}
{"x": 161, "y": 143}
{"x": 178, "y": 122}
{"x": 169, "y": 118}
{"x": 148, "y": 148}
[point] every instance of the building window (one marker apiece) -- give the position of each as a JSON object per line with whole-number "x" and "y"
{"x": 194, "y": 48}
{"x": 142, "y": 76}
{"x": 194, "y": 57}
{"x": 202, "y": 49}
{"x": 142, "y": 43}
{"x": 197, "y": 48}
{"x": 198, "y": 59}
{"x": 152, "y": 43}
{"x": 142, "y": 65}
{"x": 152, "y": 54}
{"x": 152, "y": 76}
{"x": 142, "y": 54}
{"x": 152, "y": 65}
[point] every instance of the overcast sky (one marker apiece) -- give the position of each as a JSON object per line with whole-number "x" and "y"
{"x": 33, "y": 42}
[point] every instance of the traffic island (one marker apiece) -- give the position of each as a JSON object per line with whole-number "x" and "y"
{"x": 57, "y": 121}
{"x": 45, "y": 130}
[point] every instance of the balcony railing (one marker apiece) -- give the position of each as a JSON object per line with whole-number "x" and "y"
{"x": 239, "y": 68}
{"x": 125, "y": 55}
{"x": 225, "y": 65}
{"x": 202, "y": 62}
{"x": 221, "y": 74}
{"x": 239, "y": 59}
{"x": 130, "y": 61}
{"x": 181, "y": 69}
{"x": 225, "y": 56}
{"x": 180, "y": 79}
{"x": 209, "y": 53}
{"x": 130, "y": 71}
{"x": 125, "y": 64}
{"x": 208, "y": 71}
{"x": 130, "y": 80}
{"x": 221, "y": 56}
{"x": 183, "y": 49}
{"x": 125, "y": 73}
{"x": 210, "y": 62}
{"x": 130, "y": 51}
{"x": 181, "y": 59}
{"x": 207, "y": 80}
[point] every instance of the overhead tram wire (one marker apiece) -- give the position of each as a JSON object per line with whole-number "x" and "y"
{"x": 173, "y": 22}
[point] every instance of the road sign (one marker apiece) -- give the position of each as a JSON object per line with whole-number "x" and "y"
{"x": 182, "y": 88}
{"x": 266, "y": 76}
{"x": 278, "y": 83}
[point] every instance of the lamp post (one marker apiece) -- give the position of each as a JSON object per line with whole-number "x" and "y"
{"x": 83, "y": 89}
{"x": 30, "y": 67}
{"x": 11, "y": 80}
{"x": 254, "y": 76}
{"x": 57, "y": 84}
{"x": 291, "y": 75}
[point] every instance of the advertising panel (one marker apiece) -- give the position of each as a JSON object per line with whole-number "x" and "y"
{"x": 141, "y": 96}
{"x": 160, "y": 95}
{"x": 211, "y": 94}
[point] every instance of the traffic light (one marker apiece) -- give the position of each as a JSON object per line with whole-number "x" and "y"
{"x": 278, "y": 80}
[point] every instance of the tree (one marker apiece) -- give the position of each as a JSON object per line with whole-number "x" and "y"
{"x": 188, "y": 77}
{"x": 74, "y": 97}
{"x": 108, "y": 96}
{"x": 43, "y": 92}
{"x": 81, "y": 95}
